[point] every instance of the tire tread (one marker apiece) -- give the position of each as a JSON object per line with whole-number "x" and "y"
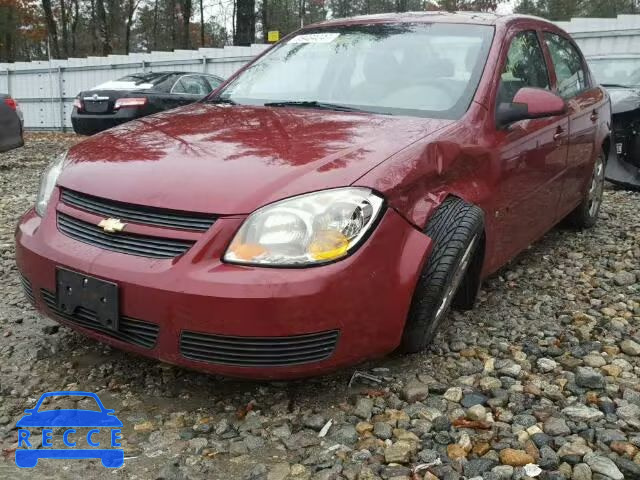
{"x": 451, "y": 228}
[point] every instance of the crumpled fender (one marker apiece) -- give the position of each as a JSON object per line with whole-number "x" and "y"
{"x": 622, "y": 173}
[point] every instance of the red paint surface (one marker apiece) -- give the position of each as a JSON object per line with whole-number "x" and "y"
{"x": 539, "y": 102}
{"x": 232, "y": 160}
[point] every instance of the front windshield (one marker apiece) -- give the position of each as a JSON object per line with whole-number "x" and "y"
{"x": 429, "y": 70}
{"x": 616, "y": 71}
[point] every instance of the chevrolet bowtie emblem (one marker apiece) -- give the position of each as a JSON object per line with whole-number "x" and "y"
{"x": 112, "y": 225}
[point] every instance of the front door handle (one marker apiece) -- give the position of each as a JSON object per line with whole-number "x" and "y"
{"x": 594, "y": 116}
{"x": 559, "y": 134}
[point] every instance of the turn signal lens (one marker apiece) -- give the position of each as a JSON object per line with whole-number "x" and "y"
{"x": 247, "y": 251}
{"x": 329, "y": 245}
{"x": 130, "y": 102}
{"x": 77, "y": 103}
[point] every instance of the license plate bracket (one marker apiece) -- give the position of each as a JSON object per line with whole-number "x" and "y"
{"x": 76, "y": 290}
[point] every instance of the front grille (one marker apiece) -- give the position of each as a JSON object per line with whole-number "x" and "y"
{"x": 258, "y": 351}
{"x": 27, "y": 289}
{"x": 130, "y": 330}
{"x": 137, "y": 213}
{"x": 133, "y": 244}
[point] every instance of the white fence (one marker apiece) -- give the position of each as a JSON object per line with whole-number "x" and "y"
{"x": 45, "y": 90}
{"x": 605, "y": 36}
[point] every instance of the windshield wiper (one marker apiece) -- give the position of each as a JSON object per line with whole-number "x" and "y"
{"x": 314, "y": 104}
{"x": 220, "y": 100}
{"x": 616, "y": 85}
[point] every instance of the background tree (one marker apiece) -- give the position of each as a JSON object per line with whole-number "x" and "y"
{"x": 245, "y": 22}
{"x": 78, "y": 28}
{"x": 567, "y": 9}
{"x": 185, "y": 15}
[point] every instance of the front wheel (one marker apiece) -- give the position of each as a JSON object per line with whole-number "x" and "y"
{"x": 586, "y": 214}
{"x": 456, "y": 230}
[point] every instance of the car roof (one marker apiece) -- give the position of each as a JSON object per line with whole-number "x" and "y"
{"x": 170, "y": 72}
{"x": 165, "y": 73}
{"x": 477, "y": 18}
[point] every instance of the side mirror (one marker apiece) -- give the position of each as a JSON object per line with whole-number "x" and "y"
{"x": 530, "y": 103}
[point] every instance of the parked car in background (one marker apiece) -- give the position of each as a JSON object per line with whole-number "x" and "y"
{"x": 620, "y": 75}
{"x": 330, "y": 203}
{"x": 138, "y": 95}
{"x": 11, "y": 124}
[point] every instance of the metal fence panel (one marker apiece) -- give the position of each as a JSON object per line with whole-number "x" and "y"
{"x": 45, "y": 90}
{"x": 605, "y": 36}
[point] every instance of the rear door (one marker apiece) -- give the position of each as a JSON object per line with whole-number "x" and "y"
{"x": 585, "y": 101}
{"x": 189, "y": 89}
{"x": 213, "y": 81}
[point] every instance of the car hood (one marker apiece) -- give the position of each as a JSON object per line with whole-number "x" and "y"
{"x": 624, "y": 99}
{"x": 69, "y": 418}
{"x": 233, "y": 159}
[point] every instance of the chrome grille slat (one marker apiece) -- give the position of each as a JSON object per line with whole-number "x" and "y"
{"x": 138, "y": 213}
{"x": 258, "y": 351}
{"x": 133, "y": 244}
{"x": 27, "y": 289}
{"x": 133, "y": 239}
{"x": 131, "y": 330}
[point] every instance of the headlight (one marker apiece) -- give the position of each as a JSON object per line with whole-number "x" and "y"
{"x": 48, "y": 183}
{"x": 309, "y": 229}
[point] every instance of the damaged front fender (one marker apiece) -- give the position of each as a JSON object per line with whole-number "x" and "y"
{"x": 623, "y": 164}
{"x": 622, "y": 173}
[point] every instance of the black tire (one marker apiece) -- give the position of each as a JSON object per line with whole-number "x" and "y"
{"x": 456, "y": 229}
{"x": 586, "y": 214}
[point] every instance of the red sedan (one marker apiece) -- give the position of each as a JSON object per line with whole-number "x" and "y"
{"x": 327, "y": 204}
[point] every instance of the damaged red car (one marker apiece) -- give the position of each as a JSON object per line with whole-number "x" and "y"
{"x": 329, "y": 203}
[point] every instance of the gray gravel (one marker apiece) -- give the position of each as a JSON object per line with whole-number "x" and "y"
{"x": 541, "y": 380}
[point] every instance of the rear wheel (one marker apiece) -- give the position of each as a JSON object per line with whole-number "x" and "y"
{"x": 586, "y": 214}
{"x": 456, "y": 230}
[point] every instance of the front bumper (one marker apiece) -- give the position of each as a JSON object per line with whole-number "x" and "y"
{"x": 622, "y": 173}
{"x": 362, "y": 299}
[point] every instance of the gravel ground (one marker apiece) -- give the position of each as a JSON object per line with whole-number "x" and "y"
{"x": 541, "y": 380}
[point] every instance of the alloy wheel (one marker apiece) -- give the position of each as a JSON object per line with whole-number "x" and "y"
{"x": 456, "y": 279}
{"x": 596, "y": 188}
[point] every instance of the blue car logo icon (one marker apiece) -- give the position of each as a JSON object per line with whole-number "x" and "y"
{"x": 69, "y": 420}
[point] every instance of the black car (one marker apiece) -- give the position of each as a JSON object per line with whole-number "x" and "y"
{"x": 620, "y": 75}
{"x": 135, "y": 96}
{"x": 10, "y": 124}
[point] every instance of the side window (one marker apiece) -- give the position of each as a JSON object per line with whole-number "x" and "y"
{"x": 165, "y": 84}
{"x": 191, "y": 85}
{"x": 570, "y": 74}
{"x": 213, "y": 82}
{"x": 525, "y": 67}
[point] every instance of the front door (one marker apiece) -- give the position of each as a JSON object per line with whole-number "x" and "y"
{"x": 533, "y": 154}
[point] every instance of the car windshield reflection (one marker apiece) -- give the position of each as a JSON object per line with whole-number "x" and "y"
{"x": 429, "y": 70}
